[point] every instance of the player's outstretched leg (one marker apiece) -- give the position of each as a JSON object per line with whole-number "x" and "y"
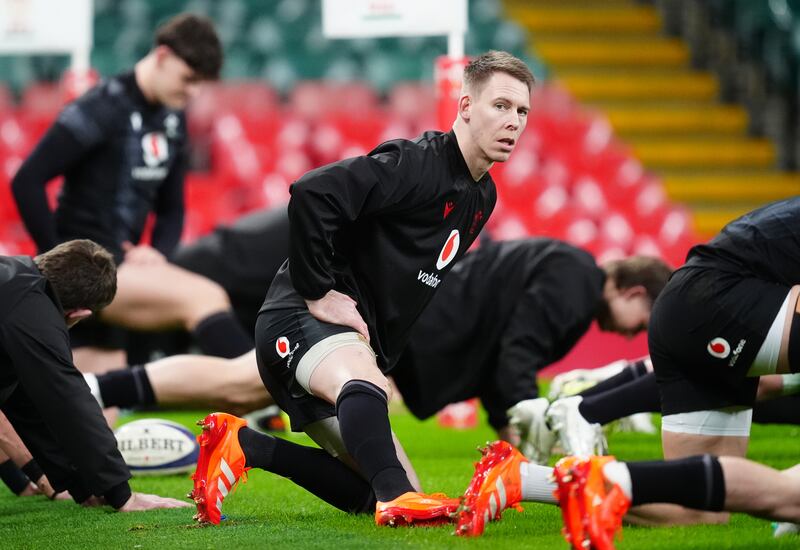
{"x": 496, "y": 485}
{"x": 220, "y": 465}
{"x": 591, "y": 510}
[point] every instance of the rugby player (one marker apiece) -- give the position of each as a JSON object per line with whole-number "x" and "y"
{"x": 372, "y": 237}
{"x": 121, "y": 148}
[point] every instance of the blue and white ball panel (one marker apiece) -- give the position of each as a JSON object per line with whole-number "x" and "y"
{"x": 154, "y": 446}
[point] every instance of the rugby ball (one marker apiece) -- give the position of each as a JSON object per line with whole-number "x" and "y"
{"x": 153, "y": 447}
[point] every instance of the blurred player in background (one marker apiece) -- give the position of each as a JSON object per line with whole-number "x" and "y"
{"x": 122, "y": 151}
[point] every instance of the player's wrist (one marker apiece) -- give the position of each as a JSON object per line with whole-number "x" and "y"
{"x": 33, "y": 470}
{"x": 14, "y": 478}
{"x": 119, "y": 495}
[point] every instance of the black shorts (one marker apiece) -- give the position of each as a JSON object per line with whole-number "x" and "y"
{"x": 283, "y": 337}
{"x": 705, "y": 331}
{"x": 94, "y": 333}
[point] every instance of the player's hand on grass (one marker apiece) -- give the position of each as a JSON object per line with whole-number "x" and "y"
{"x": 141, "y": 501}
{"x": 42, "y": 486}
{"x": 338, "y": 309}
{"x": 142, "y": 254}
{"x": 30, "y": 490}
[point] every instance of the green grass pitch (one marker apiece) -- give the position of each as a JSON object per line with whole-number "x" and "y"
{"x": 269, "y": 512}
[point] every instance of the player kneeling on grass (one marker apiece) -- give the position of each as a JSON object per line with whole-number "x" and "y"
{"x": 42, "y": 393}
{"x": 725, "y": 318}
{"x": 372, "y": 239}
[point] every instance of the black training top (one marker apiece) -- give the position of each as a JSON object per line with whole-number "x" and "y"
{"x": 384, "y": 229}
{"x": 507, "y": 310}
{"x": 36, "y": 365}
{"x": 122, "y": 158}
{"x": 764, "y": 244}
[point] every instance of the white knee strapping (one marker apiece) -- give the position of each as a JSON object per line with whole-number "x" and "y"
{"x": 730, "y": 422}
{"x": 319, "y": 351}
{"x": 766, "y": 361}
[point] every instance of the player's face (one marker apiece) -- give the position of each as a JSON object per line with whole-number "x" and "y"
{"x": 176, "y": 83}
{"x": 498, "y": 115}
{"x": 624, "y": 311}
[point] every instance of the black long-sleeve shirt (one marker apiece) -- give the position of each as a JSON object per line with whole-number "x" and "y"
{"x": 764, "y": 243}
{"x": 121, "y": 157}
{"x": 506, "y": 311}
{"x": 385, "y": 229}
{"x": 35, "y": 358}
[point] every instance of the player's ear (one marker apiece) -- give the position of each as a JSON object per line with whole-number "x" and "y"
{"x": 161, "y": 52}
{"x": 635, "y": 291}
{"x": 465, "y": 106}
{"x": 74, "y": 315}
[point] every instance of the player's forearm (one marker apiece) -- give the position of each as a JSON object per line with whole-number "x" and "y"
{"x": 28, "y": 188}
{"x": 314, "y": 222}
{"x": 11, "y": 444}
{"x": 53, "y": 155}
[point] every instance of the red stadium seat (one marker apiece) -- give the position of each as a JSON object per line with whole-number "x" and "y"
{"x": 646, "y": 245}
{"x": 411, "y": 101}
{"x": 582, "y": 232}
{"x": 616, "y": 231}
{"x": 588, "y": 198}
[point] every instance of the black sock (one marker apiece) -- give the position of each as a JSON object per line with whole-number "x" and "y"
{"x": 221, "y": 335}
{"x": 14, "y": 478}
{"x": 126, "y": 387}
{"x": 639, "y": 395}
{"x": 628, "y": 374}
{"x": 364, "y": 423}
{"x": 782, "y": 410}
{"x": 312, "y": 469}
{"x": 695, "y": 482}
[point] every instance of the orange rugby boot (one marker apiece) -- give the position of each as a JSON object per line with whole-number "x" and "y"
{"x": 495, "y": 486}
{"x": 220, "y": 465}
{"x": 591, "y": 511}
{"x": 416, "y": 509}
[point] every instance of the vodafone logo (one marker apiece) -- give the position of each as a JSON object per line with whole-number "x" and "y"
{"x": 282, "y": 346}
{"x": 154, "y": 148}
{"x": 719, "y": 348}
{"x": 449, "y": 250}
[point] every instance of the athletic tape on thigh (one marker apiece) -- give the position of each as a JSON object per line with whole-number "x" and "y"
{"x": 319, "y": 351}
{"x": 794, "y": 343}
{"x": 766, "y": 361}
{"x": 715, "y": 422}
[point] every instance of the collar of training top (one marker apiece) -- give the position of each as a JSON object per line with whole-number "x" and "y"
{"x": 128, "y": 80}
{"x": 457, "y": 161}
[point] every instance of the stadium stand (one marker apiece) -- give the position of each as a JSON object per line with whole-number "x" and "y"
{"x": 615, "y": 58}
{"x": 570, "y": 178}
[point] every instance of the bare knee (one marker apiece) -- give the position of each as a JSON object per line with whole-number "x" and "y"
{"x": 205, "y": 298}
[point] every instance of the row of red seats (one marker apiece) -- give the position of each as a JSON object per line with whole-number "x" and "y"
{"x": 569, "y": 177}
